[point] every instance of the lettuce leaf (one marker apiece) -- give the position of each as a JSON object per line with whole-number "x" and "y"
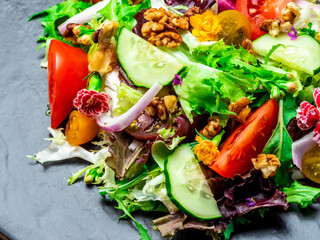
{"x": 203, "y": 4}
{"x": 55, "y": 15}
{"x": 127, "y": 97}
{"x": 303, "y": 195}
{"x": 218, "y": 74}
{"x": 280, "y": 142}
{"x": 60, "y": 149}
{"x": 232, "y": 194}
{"x": 140, "y": 192}
{"x": 123, "y": 11}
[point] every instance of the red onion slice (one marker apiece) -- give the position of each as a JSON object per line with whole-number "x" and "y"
{"x": 299, "y": 148}
{"x": 116, "y": 124}
{"x": 84, "y": 16}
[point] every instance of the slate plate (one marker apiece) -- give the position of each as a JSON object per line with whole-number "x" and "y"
{"x": 35, "y": 201}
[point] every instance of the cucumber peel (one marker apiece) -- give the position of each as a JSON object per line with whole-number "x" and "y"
{"x": 300, "y": 54}
{"x": 187, "y": 186}
{"x": 144, "y": 63}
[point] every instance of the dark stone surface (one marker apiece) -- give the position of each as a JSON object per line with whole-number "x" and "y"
{"x": 35, "y": 201}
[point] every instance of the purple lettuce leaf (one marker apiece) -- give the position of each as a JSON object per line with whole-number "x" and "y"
{"x": 139, "y": 17}
{"x": 238, "y": 196}
{"x": 170, "y": 224}
{"x": 226, "y": 5}
{"x": 203, "y": 5}
{"x": 128, "y": 155}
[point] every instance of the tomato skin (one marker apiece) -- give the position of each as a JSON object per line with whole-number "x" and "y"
{"x": 236, "y": 27}
{"x": 247, "y": 141}
{"x": 80, "y": 129}
{"x": 258, "y": 12}
{"x": 67, "y": 67}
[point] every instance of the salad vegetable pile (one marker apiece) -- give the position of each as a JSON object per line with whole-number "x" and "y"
{"x": 207, "y": 111}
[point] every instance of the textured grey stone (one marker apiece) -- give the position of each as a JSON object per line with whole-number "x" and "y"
{"x": 35, "y": 201}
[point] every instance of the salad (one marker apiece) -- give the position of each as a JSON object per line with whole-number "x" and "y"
{"x": 207, "y": 111}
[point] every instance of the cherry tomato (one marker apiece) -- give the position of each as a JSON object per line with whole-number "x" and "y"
{"x": 80, "y": 129}
{"x": 256, "y": 11}
{"x": 311, "y": 163}
{"x": 247, "y": 141}
{"x": 67, "y": 67}
{"x": 236, "y": 27}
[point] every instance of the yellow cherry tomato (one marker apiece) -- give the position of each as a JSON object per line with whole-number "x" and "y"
{"x": 311, "y": 163}
{"x": 80, "y": 129}
{"x": 235, "y": 27}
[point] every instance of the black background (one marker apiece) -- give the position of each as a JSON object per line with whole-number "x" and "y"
{"x": 35, "y": 201}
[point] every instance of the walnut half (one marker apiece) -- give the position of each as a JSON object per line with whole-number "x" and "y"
{"x": 162, "y": 27}
{"x": 267, "y": 163}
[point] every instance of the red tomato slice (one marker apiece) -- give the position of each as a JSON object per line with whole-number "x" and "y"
{"x": 256, "y": 11}
{"x": 67, "y": 67}
{"x": 247, "y": 141}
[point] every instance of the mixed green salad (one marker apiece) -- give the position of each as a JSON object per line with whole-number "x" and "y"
{"x": 207, "y": 111}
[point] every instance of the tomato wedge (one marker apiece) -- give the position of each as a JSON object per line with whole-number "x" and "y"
{"x": 256, "y": 11}
{"x": 247, "y": 141}
{"x": 67, "y": 67}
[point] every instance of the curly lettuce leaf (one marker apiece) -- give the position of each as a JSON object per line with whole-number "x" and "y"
{"x": 141, "y": 192}
{"x": 218, "y": 74}
{"x": 303, "y": 195}
{"x": 232, "y": 194}
{"x": 205, "y": 89}
{"x": 55, "y": 15}
{"x": 123, "y": 11}
{"x": 127, "y": 97}
{"x": 60, "y": 149}
{"x": 95, "y": 174}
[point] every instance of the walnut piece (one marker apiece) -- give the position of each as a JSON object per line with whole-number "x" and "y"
{"x": 283, "y": 24}
{"x": 104, "y": 61}
{"x": 241, "y": 108}
{"x": 72, "y": 34}
{"x": 104, "y": 34}
{"x": 213, "y": 128}
{"x": 267, "y": 163}
{"x": 163, "y": 106}
{"x": 169, "y": 39}
{"x": 162, "y": 111}
{"x": 289, "y": 13}
{"x": 171, "y": 103}
{"x": 247, "y": 44}
{"x": 162, "y": 27}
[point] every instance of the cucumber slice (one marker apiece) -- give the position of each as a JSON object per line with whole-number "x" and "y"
{"x": 187, "y": 186}
{"x": 144, "y": 63}
{"x": 301, "y": 54}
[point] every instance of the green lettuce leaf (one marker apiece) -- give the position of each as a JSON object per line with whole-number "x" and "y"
{"x": 123, "y": 11}
{"x": 303, "y": 195}
{"x": 127, "y": 97}
{"x": 143, "y": 192}
{"x": 55, "y": 15}
{"x": 218, "y": 74}
{"x": 280, "y": 142}
{"x": 206, "y": 89}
